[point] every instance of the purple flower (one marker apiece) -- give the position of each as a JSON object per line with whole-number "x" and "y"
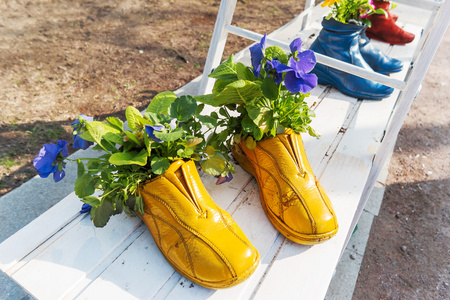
{"x": 224, "y": 179}
{"x": 150, "y": 131}
{"x": 257, "y": 54}
{"x": 297, "y": 79}
{"x": 275, "y": 70}
{"x": 85, "y": 208}
{"x": 79, "y": 128}
{"x": 296, "y": 46}
{"x": 51, "y": 160}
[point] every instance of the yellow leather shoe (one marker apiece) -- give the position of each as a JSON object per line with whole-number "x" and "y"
{"x": 292, "y": 198}
{"x": 198, "y": 238}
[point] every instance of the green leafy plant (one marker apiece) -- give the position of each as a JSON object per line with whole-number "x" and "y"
{"x": 351, "y": 11}
{"x": 264, "y": 100}
{"x": 169, "y": 130}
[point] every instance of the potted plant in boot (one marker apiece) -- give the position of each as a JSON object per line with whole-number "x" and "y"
{"x": 383, "y": 27}
{"x": 149, "y": 169}
{"x": 263, "y": 112}
{"x": 343, "y": 37}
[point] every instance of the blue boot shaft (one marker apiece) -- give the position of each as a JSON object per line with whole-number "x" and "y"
{"x": 341, "y": 41}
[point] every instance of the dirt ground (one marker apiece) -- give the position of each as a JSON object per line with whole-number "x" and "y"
{"x": 408, "y": 253}
{"x": 59, "y": 58}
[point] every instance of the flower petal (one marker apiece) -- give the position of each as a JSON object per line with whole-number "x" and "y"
{"x": 58, "y": 175}
{"x": 296, "y": 45}
{"x": 62, "y": 145}
{"x": 85, "y": 208}
{"x": 222, "y": 179}
{"x": 257, "y": 54}
{"x": 150, "y": 131}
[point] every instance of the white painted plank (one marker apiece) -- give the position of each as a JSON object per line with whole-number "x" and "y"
{"x": 145, "y": 270}
{"x": 73, "y": 256}
{"x": 19, "y": 245}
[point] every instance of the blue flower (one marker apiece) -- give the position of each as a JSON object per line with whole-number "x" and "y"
{"x": 257, "y": 54}
{"x": 275, "y": 70}
{"x": 224, "y": 179}
{"x": 296, "y": 46}
{"x": 297, "y": 79}
{"x": 85, "y": 208}
{"x": 79, "y": 128}
{"x": 51, "y": 160}
{"x": 150, "y": 131}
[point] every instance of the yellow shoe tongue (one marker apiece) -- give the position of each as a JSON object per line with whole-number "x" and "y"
{"x": 177, "y": 174}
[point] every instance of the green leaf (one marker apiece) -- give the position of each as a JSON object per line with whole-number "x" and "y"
{"x": 214, "y": 165}
{"x": 85, "y": 185}
{"x": 129, "y": 158}
{"x": 253, "y": 112}
{"x": 270, "y": 88}
{"x": 207, "y": 99}
{"x": 92, "y": 201}
{"x": 192, "y": 142}
{"x": 257, "y": 133}
{"x": 219, "y": 85}
{"x": 116, "y": 138}
{"x": 80, "y": 168}
{"x": 139, "y": 205}
{"x": 115, "y": 122}
{"x": 132, "y": 137}
{"x": 248, "y": 125}
{"x": 187, "y": 152}
{"x": 183, "y": 108}
{"x": 96, "y": 130}
{"x": 160, "y": 165}
{"x": 100, "y": 215}
{"x": 276, "y": 52}
{"x": 208, "y": 121}
{"x": 238, "y": 92}
{"x": 132, "y": 114}
{"x": 226, "y": 71}
{"x": 147, "y": 144}
{"x": 250, "y": 143}
{"x": 199, "y": 109}
{"x": 223, "y": 112}
{"x": 243, "y": 72}
{"x": 312, "y": 132}
{"x": 223, "y": 136}
{"x": 161, "y": 102}
{"x": 381, "y": 12}
{"x": 210, "y": 151}
{"x": 169, "y": 136}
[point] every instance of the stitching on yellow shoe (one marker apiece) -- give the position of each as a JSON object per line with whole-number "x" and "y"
{"x": 224, "y": 220}
{"x": 202, "y": 237}
{"x": 280, "y": 204}
{"x": 291, "y": 199}
{"x": 191, "y": 264}
{"x": 303, "y": 202}
{"x": 156, "y": 224}
{"x": 326, "y": 204}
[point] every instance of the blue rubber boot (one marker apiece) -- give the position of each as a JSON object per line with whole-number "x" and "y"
{"x": 340, "y": 41}
{"x": 379, "y": 61}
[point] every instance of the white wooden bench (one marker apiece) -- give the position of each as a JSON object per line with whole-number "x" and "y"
{"x": 61, "y": 255}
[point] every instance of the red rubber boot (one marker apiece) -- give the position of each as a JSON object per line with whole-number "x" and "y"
{"x": 385, "y": 30}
